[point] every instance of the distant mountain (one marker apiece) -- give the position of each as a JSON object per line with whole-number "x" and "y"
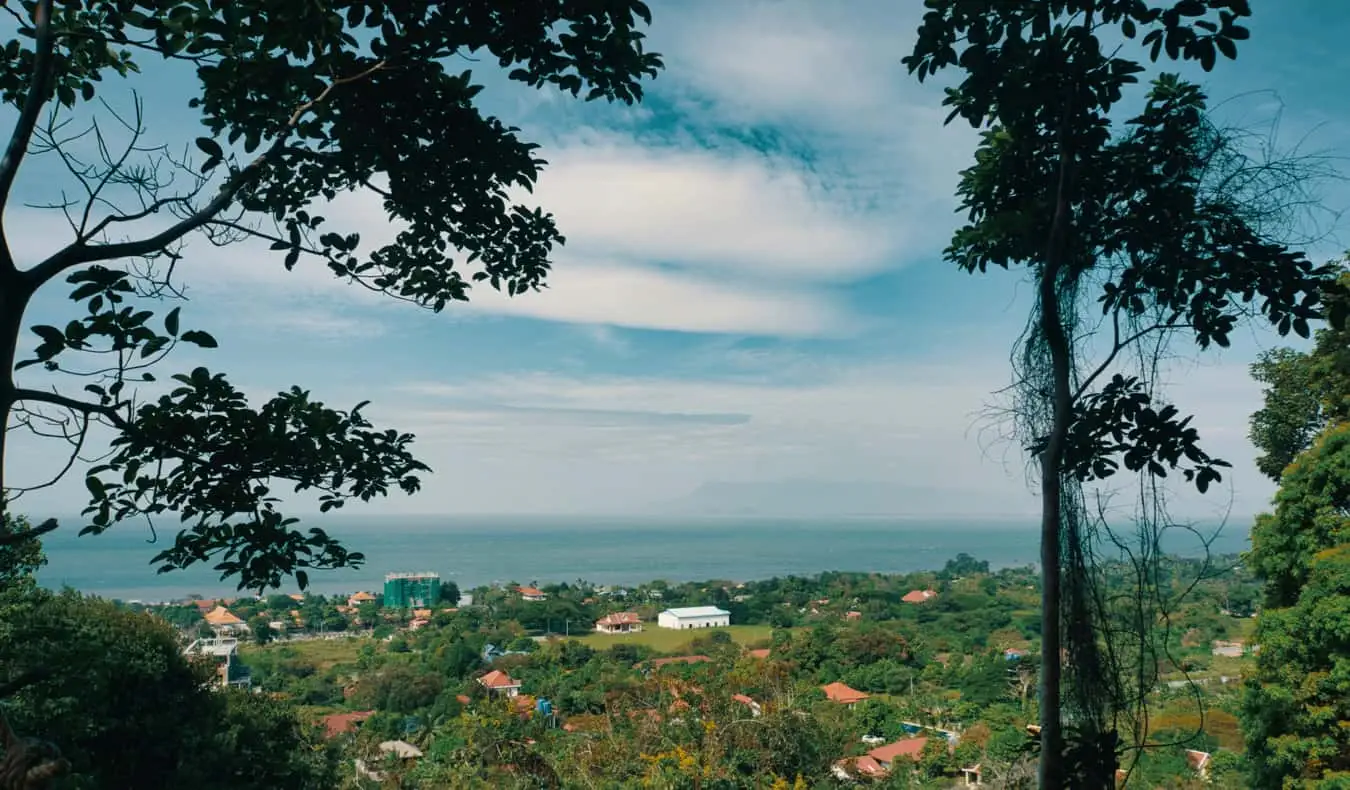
{"x": 823, "y": 498}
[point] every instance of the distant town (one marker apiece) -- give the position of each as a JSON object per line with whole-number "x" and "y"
{"x": 935, "y": 670}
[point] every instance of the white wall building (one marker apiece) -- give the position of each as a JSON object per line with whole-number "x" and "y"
{"x": 694, "y": 617}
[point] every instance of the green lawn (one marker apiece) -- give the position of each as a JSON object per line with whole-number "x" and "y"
{"x": 322, "y": 653}
{"x": 669, "y": 641}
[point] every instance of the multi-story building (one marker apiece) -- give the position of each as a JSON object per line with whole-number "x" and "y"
{"x": 408, "y": 590}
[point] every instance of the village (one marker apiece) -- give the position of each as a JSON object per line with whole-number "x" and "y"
{"x": 928, "y": 676}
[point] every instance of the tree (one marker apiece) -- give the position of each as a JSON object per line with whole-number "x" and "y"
{"x": 1304, "y": 393}
{"x": 1301, "y": 689}
{"x": 301, "y": 101}
{"x": 1149, "y": 226}
{"x": 450, "y": 593}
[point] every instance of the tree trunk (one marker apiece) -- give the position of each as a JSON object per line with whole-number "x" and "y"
{"x": 1052, "y": 462}
{"x": 13, "y": 300}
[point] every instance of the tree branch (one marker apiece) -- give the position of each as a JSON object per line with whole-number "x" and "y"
{"x": 15, "y": 538}
{"x": 83, "y": 407}
{"x": 28, "y": 116}
{"x": 80, "y": 252}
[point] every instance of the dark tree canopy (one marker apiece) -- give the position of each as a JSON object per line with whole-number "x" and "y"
{"x": 1132, "y": 232}
{"x": 300, "y": 102}
{"x": 1304, "y": 392}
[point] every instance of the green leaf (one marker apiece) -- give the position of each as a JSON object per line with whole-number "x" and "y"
{"x": 210, "y": 147}
{"x": 200, "y": 338}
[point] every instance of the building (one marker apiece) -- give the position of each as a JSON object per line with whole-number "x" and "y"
{"x": 919, "y": 596}
{"x": 532, "y": 594}
{"x": 843, "y": 694}
{"x": 408, "y": 590}
{"x": 498, "y": 682}
{"x": 694, "y": 617}
{"x": 905, "y": 748}
{"x": 224, "y": 653}
{"x": 224, "y": 622}
{"x": 1233, "y": 649}
{"x": 360, "y": 598}
{"x": 756, "y": 710}
{"x": 619, "y": 623}
{"x": 343, "y": 723}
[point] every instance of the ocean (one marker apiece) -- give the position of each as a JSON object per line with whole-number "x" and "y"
{"x": 605, "y": 550}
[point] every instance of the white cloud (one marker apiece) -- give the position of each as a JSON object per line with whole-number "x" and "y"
{"x": 729, "y": 209}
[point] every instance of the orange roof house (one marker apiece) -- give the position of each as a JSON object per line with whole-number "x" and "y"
{"x": 205, "y": 605}
{"x": 762, "y": 652}
{"x": 222, "y": 619}
{"x": 421, "y": 614}
{"x": 619, "y": 623}
{"x": 919, "y": 596}
{"x": 498, "y": 682}
{"x": 844, "y": 695}
{"x": 532, "y": 593}
{"x": 859, "y": 767}
{"x": 755, "y": 708}
{"x": 360, "y": 598}
{"x": 340, "y": 723}
{"x": 905, "y": 748}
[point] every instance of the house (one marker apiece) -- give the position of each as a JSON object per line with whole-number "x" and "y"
{"x": 919, "y": 596}
{"x": 972, "y": 775}
{"x": 756, "y": 710}
{"x": 222, "y": 621}
{"x": 1013, "y": 654}
{"x": 903, "y": 749}
{"x": 694, "y": 617}
{"x": 1228, "y": 649}
{"x": 838, "y": 692}
{"x": 760, "y": 653}
{"x": 224, "y": 653}
{"x": 1199, "y": 762}
{"x": 421, "y": 614}
{"x": 360, "y": 598}
{"x": 418, "y": 624}
{"x": 498, "y": 682}
{"x": 204, "y": 605}
{"x": 400, "y": 749}
{"x": 342, "y": 723}
{"x": 853, "y": 615}
{"x": 619, "y": 623}
{"x": 854, "y": 768}
{"x": 532, "y": 594}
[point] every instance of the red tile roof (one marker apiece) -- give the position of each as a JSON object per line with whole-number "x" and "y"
{"x": 497, "y": 679}
{"x": 529, "y": 591}
{"x": 838, "y": 692}
{"x": 762, "y": 652}
{"x": 919, "y": 596}
{"x": 340, "y": 723}
{"x": 620, "y": 618}
{"x": 864, "y": 765}
{"x": 905, "y": 747}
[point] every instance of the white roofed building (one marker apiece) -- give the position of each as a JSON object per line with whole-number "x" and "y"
{"x": 694, "y": 617}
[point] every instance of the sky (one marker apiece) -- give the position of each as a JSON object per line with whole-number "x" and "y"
{"x": 751, "y": 312}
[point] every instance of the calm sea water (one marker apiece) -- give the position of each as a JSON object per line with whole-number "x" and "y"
{"x": 609, "y": 550}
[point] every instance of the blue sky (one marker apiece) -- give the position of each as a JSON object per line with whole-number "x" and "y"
{"x": 751, "y": 294}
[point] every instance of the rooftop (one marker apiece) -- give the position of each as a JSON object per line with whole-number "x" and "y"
{"x": 905, "y": 747}
{"x": 411, "y": 575}
{"x": 839, "y": 692}
{"x": 497, "y": 679}
{"x": 697, "y": 611}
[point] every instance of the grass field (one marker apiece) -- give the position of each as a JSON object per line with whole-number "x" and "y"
{"x": 669, "y": 641}
{"x": 322, "y": 653}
